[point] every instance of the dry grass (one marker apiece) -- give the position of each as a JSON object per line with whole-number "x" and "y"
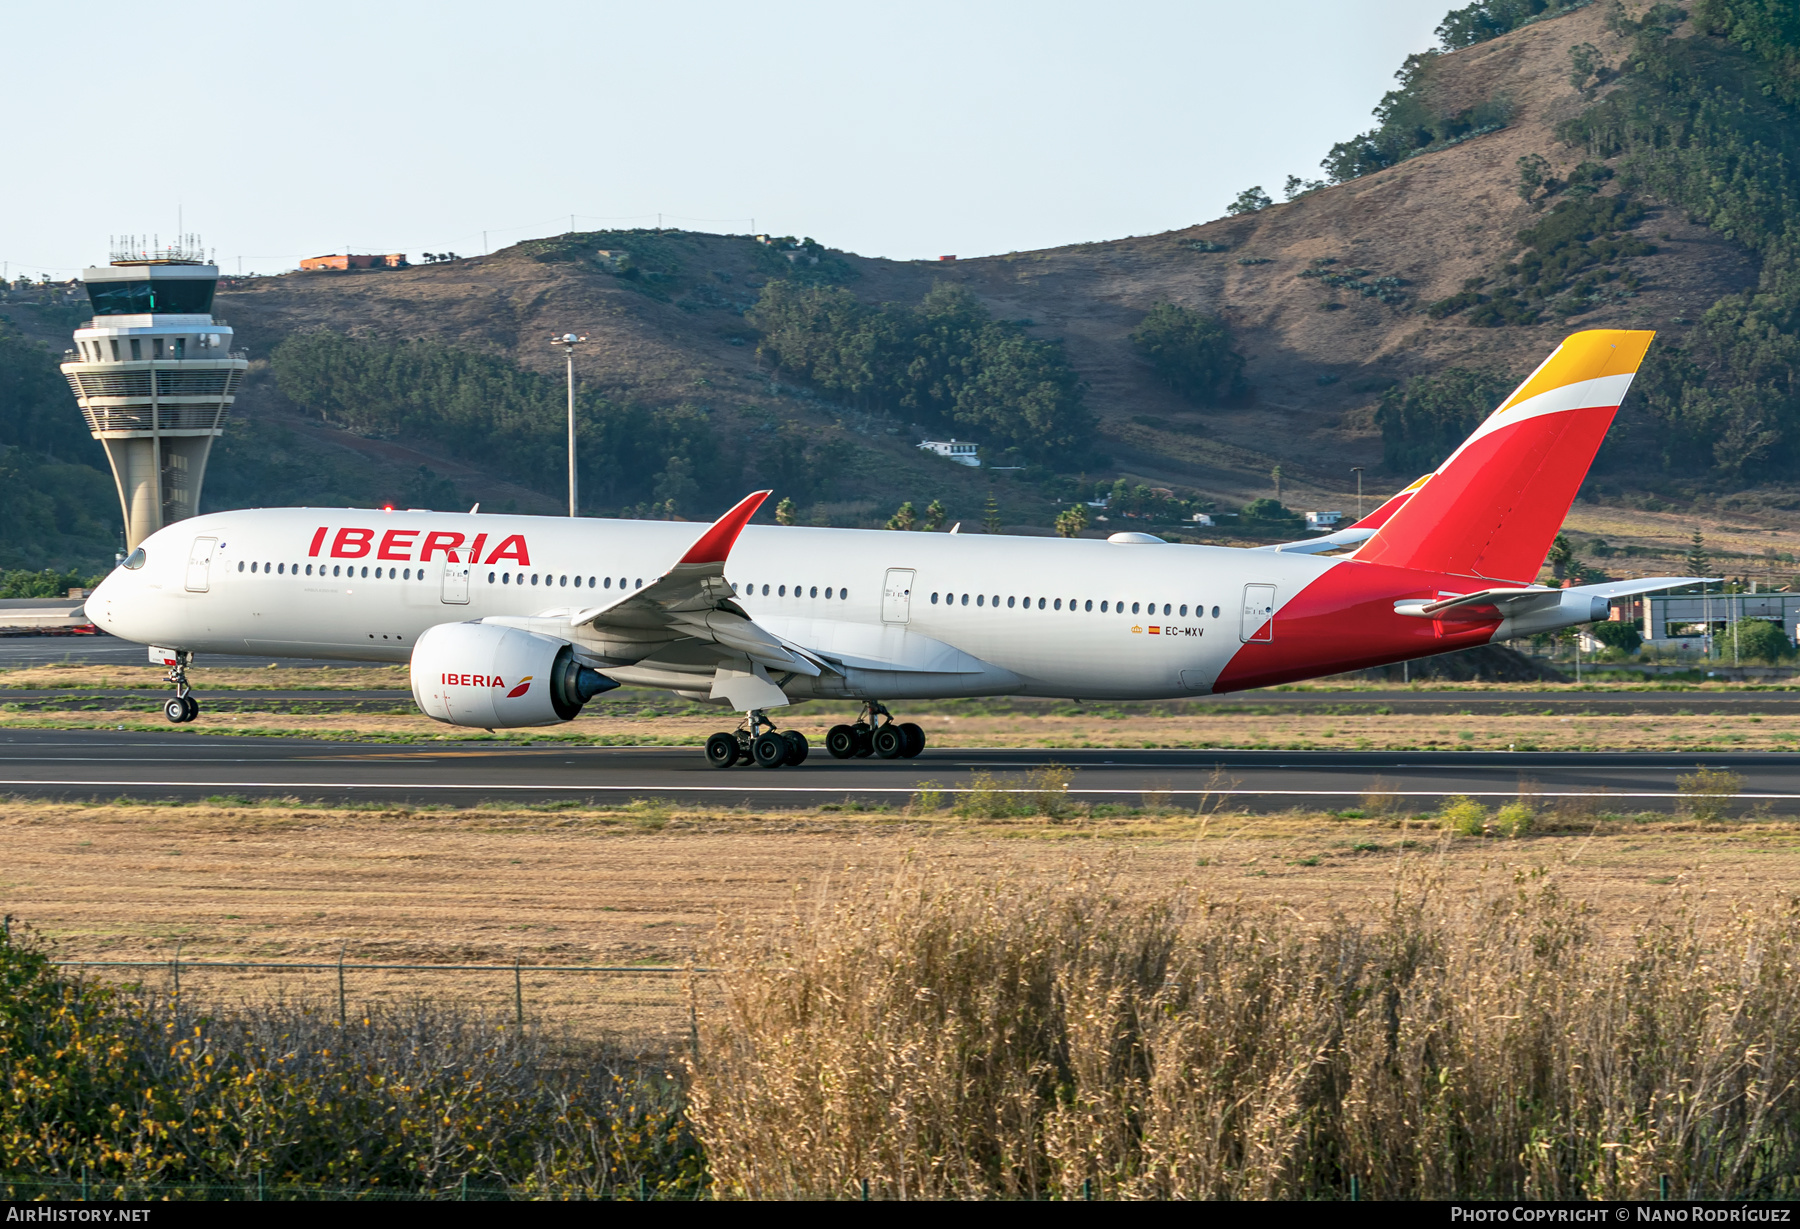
{"x": 1199, "y": 727}
{"x": 944, "y": 1035}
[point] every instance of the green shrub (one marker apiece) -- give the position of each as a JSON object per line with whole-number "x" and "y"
{"x": 1622, "y": 636}
{"x": 1759, "y": 640}
{"x": 1423, "y": 420}
{"x": 1464, "y": 816}
{"x": 142, "y": 1096}
{"x": 1192, "y": 352}
{"x": 946, "y": 362}
{"x": 1514, "y": 819}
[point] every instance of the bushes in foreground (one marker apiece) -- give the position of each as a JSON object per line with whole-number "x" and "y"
{"x": 952, "y": 1036}
{"x": 143, "y": 1096}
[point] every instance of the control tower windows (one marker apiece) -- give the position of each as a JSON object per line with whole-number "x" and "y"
{"x": 183, "y": 296}
{"x": 115, "y": 349}
{"x": 137, "y": 349}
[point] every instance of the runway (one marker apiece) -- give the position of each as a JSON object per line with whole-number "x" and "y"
{"x": 83, "y": 764}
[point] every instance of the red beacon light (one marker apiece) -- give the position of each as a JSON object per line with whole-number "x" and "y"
{"x": 387, "y": 507}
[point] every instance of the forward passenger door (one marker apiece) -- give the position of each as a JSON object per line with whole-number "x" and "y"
{"x": 199, "y": 568}
{"x": 456, "y": 584}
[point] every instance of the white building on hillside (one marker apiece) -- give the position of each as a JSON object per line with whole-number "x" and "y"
{"x": 962, "y": 454}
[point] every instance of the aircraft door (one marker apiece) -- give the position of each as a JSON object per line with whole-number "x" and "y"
{"x": 1258, "y": 626}
{"x": 456, "y": 584}
{"x": 199, "y": 570}
{"x": 896, "y": 596}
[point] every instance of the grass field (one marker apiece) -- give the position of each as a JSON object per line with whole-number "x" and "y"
{"x": 645, "y": 883}
{"x": 323, "y": 704}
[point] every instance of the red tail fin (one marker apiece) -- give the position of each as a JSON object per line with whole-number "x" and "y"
{"x": 1493, "y": 509}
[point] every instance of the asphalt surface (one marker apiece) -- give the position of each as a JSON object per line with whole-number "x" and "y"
{"x": 104, "y": 650}
{"x": 108, "y": 764}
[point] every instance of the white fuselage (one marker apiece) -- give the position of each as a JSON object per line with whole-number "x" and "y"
{"x": 1055, "y": 617}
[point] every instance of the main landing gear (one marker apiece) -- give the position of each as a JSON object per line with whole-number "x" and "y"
{"x": 875, "y": 733}
{"x": 181, "y": 706}
{"x": 757, "y": 742}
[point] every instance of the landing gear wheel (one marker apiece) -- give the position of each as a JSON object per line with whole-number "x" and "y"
{"x": 770, "y": 750}
{"x": 193, "y": 707}
{"x": 915, "y": 740}
{"x": 722, "y": 750}
{"x": 797, "y": 747}
{"x": 840, "y": 742}
{"x": 176, "y": 710}
{"x": 888, "y": 742}
{"x": 863, "y": 746}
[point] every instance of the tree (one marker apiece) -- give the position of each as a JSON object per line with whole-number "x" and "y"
{"x": 1297, "y": 187}
{"x": 1275, "y": 476}
{"x": 1622, "y": 636}
{"x": 946, "y": 362}
{"x": 786, "y": 513}
{"x": 903, "y": 519}
{"x": 990, "y": 515}
{"x": 1762, "y": 640}
{"x": 1192, "y": 352}
{"x": 934, "y": 516}
{"x": 1561, "y": 556}
{"x": 1423, "y": 420}
{"x": 1071, "y": 521}
{"x": 1584, "y": 62}
{"x": 1250, "y": 200}
{"x": 1532, "y": 169}
{"x": 1696, "y": 561}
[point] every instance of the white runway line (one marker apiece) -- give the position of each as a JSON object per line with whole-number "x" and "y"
{"x": 1346, "y": 792}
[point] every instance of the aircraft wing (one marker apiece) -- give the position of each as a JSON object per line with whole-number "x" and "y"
{"x": 693, "y": 599}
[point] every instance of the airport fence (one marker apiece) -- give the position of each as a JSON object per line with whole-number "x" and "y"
{"x": 640, "y": 1005}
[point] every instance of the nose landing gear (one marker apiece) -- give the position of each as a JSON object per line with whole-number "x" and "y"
{"x": 875, "y": 733}
{"x": 757, "y": 742}
{"x": 182, "y": 706}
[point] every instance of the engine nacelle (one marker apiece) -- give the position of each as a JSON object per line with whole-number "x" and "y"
{"x": 493, "y": 677}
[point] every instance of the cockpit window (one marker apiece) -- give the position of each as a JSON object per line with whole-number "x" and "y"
{"x": 135, "y": 559}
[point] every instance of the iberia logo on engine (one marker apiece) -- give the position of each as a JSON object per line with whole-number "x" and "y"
{"x": 488, "y": 680}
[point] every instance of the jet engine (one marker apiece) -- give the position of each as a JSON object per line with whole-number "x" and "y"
{"x": 486, "y": 675}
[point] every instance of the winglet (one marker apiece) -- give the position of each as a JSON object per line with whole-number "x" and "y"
{"x": 717, "y": 541}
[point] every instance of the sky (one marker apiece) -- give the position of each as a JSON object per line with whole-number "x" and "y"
{"x": 277, "y": 131}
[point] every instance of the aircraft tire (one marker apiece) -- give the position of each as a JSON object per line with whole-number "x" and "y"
{"x": 889, "y": 743}
{"x": 770, "y": 750}
{"x": 797, "y": 747}
{"x": 840, "y": 742}
{"x": 193, "y": 707}
{"x": 722, "y": 750}
{"x": 915, "y": 740}
{"x": 864, "y": 747}
{"x": 176, "y": 710}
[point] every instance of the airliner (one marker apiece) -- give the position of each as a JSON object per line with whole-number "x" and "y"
{"x": 519, "y": 621}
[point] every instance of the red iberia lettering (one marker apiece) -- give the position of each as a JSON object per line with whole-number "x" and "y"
{"x": 351, "y": 543}
{"x": 440, "y": 541}
{"x": 474, "y": 680}
{"x": 317, "y": 542}
{"x": 475, "y": 550}
{"x": 512, "y": 548}
{"x": 394, "y": 544}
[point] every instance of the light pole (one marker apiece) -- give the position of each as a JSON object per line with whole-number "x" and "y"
{"x": 1357, "y": 470}
{"x": 568, "y": 342}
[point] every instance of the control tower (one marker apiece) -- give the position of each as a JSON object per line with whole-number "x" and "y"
{"x": 154, "y": 374}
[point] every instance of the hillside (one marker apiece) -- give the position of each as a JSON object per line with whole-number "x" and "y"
{"x": 1329, "y": 297}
